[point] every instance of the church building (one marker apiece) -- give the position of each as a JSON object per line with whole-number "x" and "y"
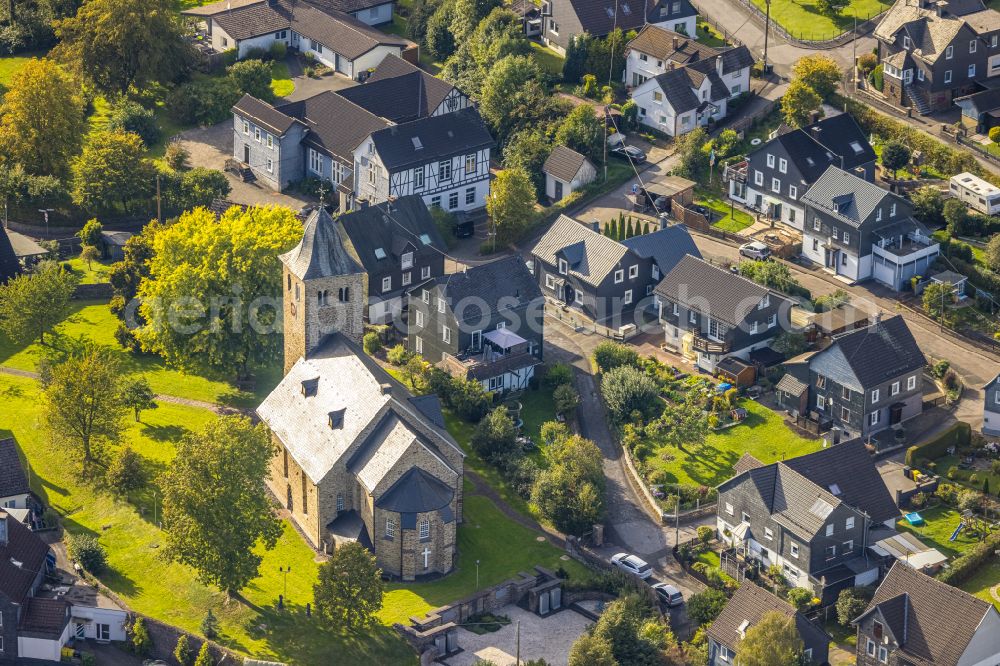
{"x": 358, "y": 457}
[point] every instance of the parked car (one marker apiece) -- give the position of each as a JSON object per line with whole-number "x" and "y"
{"x": 668, "y": 594}
{"x": 633, "y": 565}
{"x": 755, "y": 250}
{"x": 629, "y": 153}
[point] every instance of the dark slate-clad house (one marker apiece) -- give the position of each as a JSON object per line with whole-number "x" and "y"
{"x": 867, "y": 380}
{"x": 603, "y": 279}
{"x": 991, "y": 407}
{"x": 565, "y": 19}
{"x": 484, "y": 323}
{"x": 810, "y": 516}
{"x": 915, "y": 619}
{"x": 710, "y": 314}
{"x": 24, "y": 560}
{"x": 399, "y": 246}
{"x": 744, "y": 610}
{"x": 775, "y": 175}
{"x": 14, "y": 489}
{"x": 933, "y": 51}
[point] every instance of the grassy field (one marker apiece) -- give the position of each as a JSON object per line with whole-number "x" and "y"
{"x": 547, "y": 59}
{"x": 95, "y": 273}
{"x": 733, "y": 219}
{"x": 939, "y": 523}
{"x": 11, "y": 65}
{"x": 804, "y": 19}
{"x": 709, "y": 36}
{"x": 983, "y": 581}
{"x": 762, "y": 434}
{"x": 93, "y": 321}
{"x": 281, "y": 80}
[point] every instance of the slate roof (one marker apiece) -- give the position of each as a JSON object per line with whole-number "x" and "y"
{"x": 748, "y": 605}
{"x": 597, "y": 17}
{"x": 265, "y": 115}
{"x": 746, "y": 463}
{"x": 44, "y": 616}
{"x": 13, "y": 480}
{"x": 441, "y": 136}
{"x": 849, "y": 472}
{"x": 488, "y": 283}
{"x": 665, "y": 44}
{"x": 814, "y": 148}
{"x": 399, "y": 91}
{"x": 321, "y": 252}
{"x": 391, "y": 227}
{"x": 930, "y": 33}
{"x": 591, "y": 256}
{"x": 336, "y": 125}
{"x": 868, "y": 356}
{"x": 679, "y": 85}
{"x": 9, "y": 264}
{"x": 430, "y": 407}
{"x": 416, "y": 492}
{"x": 981, "y": 102}
{"x": 349, "y": 6}
{"x": 564, "y": 163}
{"x": 932, "y": 621}
{"x": 666, "y": 246}
{"x": 383, "y": 450}
{"x": 694, "y": 282}
{"x": 253, "y": 20}
{"x": 855, "y": 198}
{"x": 25, "y": 547}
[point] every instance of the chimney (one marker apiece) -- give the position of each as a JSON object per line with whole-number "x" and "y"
{"x": 385, "y": 388}
{"x": 596, "y": 225}
{"x": 860, "y": 172}
{"x": 677, "y": 42}
{"x": 876, "y": 319}
{"x": 718, "y": 65}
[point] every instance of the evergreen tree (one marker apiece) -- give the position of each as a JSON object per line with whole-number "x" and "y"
{"x": 210, "y": 625}
{"x": 204, "y": 656}
{"x": 574, "y": 65}
{"x": 141, "y": 642}
{"x": 629, "y": 230}
{"x": 645, "y": 228}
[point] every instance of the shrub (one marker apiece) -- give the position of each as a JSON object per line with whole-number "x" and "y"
{"x": 176, "y": 156}
{"x": 252, "y": 77}
{"x": 203, "y": 102}
{"x": 566, "y": 399}
{"x": 867, "y": 62}
{"x": 851, "y": 603}
{"x": 139, "y": 637}
{"x": 611, "y": 355}
{"x": 706, "y": 605}
{"x": 397, "y": 355}
{"x": 627, "y": 390}
{"x": 495, "y": 435}
{"x": 372, "y": 343}
{"x": 182, "y": 651}
{"x": 130, "y": 116}
{"x": 995, "y": 134}
{"x": 557, "y": 375}
{"x": 705, "y": 533}
{"x": 956, "y": 436}
{"x": 210, "y": 625}
{"x": 279, "y": 50}
{"x": 963, "y": 567}
{"x": 468, "y": 398}
{"x": 800, "y": 597}
{"x": 88, "y": 551}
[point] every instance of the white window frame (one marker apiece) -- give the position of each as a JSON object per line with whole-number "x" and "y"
{"x": 758, "y": 177}
{"x": 972, "y": 71}
{"x": 775, "y": 185}
{"x": 390, "y": 528}
{"x": 770, "y": 161}
{"x": 406, "y": 261}
{"x": 949, "y": 52}
{"x": 550, "y": 281}
{"x": 386, "y": 283}
{"x": 628, "y": 296}
{"x": 256, "y": 134}
{"x": 425, "y": 296}
{"x": 418, "y": 178}
{"x": 793, "y": 192}
{"x": 793, "y": 550}
{"x": 425, "y": 273}
{"x": 911, "y": 382}
{"x": 729, "y": 508}
{"x": 894, "y": 389}
{"x": 420, "y": 318}
{"x": 419, "y": 344}
{"x": 445, "y": 334}
{"x": 768, "y": 534}
{"x": 470, "y": 164}
{"x": 407, "y": 278}
{"x": 270, "y": 141}
{"x": 619, "y": 276}
{"x": 870, "y": 648}
{"x": 829, "y": 529}
{"x": 947, "y": 75}
{"x": 849, "y": 523}
{"x": 972, "y": 46}
{"x": 441, "y": 305}
{"x": 875, "y": 417}
{"x": 425, "y": 529}
{"x": 782, "y": 165}
{"x": 633, "y": 271}
{"x": 563, "y": 267}
{"x": 874, "y": 396}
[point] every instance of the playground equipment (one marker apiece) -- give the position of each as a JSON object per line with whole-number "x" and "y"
{"x": 954, "y": 535}
{"x": 975, "y": 526}
{"x": 914, "y": 518}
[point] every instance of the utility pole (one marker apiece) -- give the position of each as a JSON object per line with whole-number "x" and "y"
{"x": 767, "y": 30}
{"x": 517, "y": 657}
{"x": 854, "y": 59}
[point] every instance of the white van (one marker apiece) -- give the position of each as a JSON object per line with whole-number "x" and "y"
{"x": 976, "y": 193}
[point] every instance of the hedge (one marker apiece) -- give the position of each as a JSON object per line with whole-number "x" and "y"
{"x": 964, "y": 567}
{"x": 958, "y": 435}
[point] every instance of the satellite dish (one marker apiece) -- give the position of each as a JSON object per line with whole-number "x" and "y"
{"x": 755, "y": 141}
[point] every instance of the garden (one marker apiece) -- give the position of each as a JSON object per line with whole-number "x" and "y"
{"x": 817, "y": 20}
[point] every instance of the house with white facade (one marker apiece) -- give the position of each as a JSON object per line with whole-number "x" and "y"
{"x": 566, "y": 171}
{"x": 565, "y": 20}
{"x": 650, "y": 53}
{"x": 345, "y": 41}
{"x": 689, "y": 96}
{"x": 858, "y": 230}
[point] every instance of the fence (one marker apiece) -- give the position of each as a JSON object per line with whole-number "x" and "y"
{"x": 809, "y": 39}
{"x": 963, "y": 140}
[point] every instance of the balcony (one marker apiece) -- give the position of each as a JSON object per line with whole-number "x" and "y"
{"x": 902, "y": 239}
{"x": 706, "y": 345}
{"x": 736, "y": 171}
{"x": 501, "y": 352}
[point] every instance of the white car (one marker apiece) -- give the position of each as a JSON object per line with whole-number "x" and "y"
{"x": 633, "y": 565}
{"x": 668, "y": 594}
{"x": 755, "y": 250}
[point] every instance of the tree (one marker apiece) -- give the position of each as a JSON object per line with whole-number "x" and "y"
{"x": 570, "y": 491}
{"x": 130, "y": 116}
{"x": 90, "y": 234}
{"x": 800, "y": 597}
{"x": 682, "y": 424}
{"x": 200, "y": 187}
{"x": 224, "y": 270}
{"x": 527, "y": 150}
{"x": 118, "y": 45}
{"x": 703, "y": 607}
{"x": 142, "y": 644}
{"x": 799, "y": 102}
{"x": 589, "y": 650}
{"x": 210, "y": 625}
{"x": 895, "y": 156}
{"x": 773, "y": 640}
{"x": 620, "y": 624}
{"x": 349, "y": 591}
{"x": 439, "y": 41}
{"x": 955, "y": 216}
{"x": 89, "y": 253}
{"x": 32, "y": 303}
{"x": 495, "y": 435}
{"x": 82, "y": 405}
{"x": 819, "y": 72}
{"x": 87, "y": 551}
{"x": 42, "y": 118}
{"x": 204, "y": 656}
{"x": 851, "y": 603}
{"x": 574, "y": 66}
{"x": 252, "y": 77}
{"x": 137, "y": 395}
{"x": 692, "y": 157}
{"x": 112, "y": 170}
{"x": 511, "y": 204}
{"x": 583, "y": 131}
{"x": 125, "y": 473}
{"x": 467, "y": 15}
{"x": 928, "y": 205}
{"x": 566, "y": 400}
{"x": 182, "y": 651}
{"x": 789, "y": 343}
{"x": 216, "y": 507}
{"x": 610, "y": 355}
{"x": 504, "y": 88}
{"x": 626, "y": 390}
{"x": 936, "y": 299}
{"x": 993, "y": 253}
{"x": 833, "y": 7}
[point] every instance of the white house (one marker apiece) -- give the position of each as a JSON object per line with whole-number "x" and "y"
{"x": 14, "y": 489}
{"x": 566, "y": 171}
{"x": 653, "y": 50}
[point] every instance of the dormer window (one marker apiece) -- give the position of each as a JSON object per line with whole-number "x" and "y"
{"x": 906, "y": 42}
{"x": 949, "y": 52}
{"x": 407, "y": 260}
{"x": 563, "y": 267}
{"x": 336, "y": 419}
{"x": 310, "y": 387}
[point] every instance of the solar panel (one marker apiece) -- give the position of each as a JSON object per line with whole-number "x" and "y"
{"x": 379, "y": 253}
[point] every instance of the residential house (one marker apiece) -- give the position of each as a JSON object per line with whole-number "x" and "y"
{"x": 866, "y": 380}
{"x": 991, "y": 407}
{"x": 655, "y": 50}
{"x": 916, "y": 619}
{"x": 934, "y": 51}
{"x": 856, "y": 229}
{"x": 327, "y": 136}
{"x": 602, "y": 279}
{"x": 338, "y": 34}
{"x": 398, "y": 245}
{"x": 811, "y": 516}
{"x": 564, "y": 20}
{"x": 775, "y": 175}
{"x": 566, "y": 171}
{"x": 980, "y": 110}
{"x": 709, "y": 314}
{"x": 358, "y": 458}
{"x": 484, "y": 323}
{"x": 10, "y": 265}
{"x": 744, "y": 610}
{"x": 14, "y": 490}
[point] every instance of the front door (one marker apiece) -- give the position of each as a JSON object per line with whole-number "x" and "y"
{"x": 569, "y": 294}
{"x": 80, "y": 630}
{"x": 895, "y": 414}
{"x": 246, "y": 153}
{"x": 559, "y": 190}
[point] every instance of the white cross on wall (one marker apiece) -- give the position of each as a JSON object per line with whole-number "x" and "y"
{"x": 427, "y": 554}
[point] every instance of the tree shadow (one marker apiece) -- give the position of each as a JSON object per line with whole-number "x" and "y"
{"x": 164, "y": 433}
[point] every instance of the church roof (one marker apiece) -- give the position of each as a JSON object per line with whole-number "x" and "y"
{"x": 416, "y": 492}
{"x": 321, "y": 252}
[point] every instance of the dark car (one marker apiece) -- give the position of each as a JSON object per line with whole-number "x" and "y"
{"x": 629, "y": 153}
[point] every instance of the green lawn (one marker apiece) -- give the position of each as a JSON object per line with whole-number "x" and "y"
{"x": 281, "y": 80}
{"x": 95, "y": 273}
{"x": 804, "y": 19}
{"x": 547, "y": 59}
{"x": 709, "y": 36}
{"x": 763, "y": 435}
{"x": 939, "y": 523}
{"x": 11, "y": 65}
{"x": 93, "y": 321}
{"x": 734, "y": 220}
{"x": 983, "y": 581}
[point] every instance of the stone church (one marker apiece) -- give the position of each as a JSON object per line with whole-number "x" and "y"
{"x": 359, "y": 458}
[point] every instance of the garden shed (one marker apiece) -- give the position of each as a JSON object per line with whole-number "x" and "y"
{"x": 736, "y": 371}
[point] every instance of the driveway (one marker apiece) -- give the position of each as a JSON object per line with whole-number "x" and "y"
{"x": 306, "y": 87}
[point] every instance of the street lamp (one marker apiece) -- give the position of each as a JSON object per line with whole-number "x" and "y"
{"x": 477, "y": 574}
{"x": 284, "y": 584}
{"x": 45, "y": 213}
{"x": 767, "y": 30}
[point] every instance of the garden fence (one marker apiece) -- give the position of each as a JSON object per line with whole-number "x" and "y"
{"x": 811, "y": 39}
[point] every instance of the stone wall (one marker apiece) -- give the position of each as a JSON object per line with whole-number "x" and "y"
{"x": 93, "y": 292}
